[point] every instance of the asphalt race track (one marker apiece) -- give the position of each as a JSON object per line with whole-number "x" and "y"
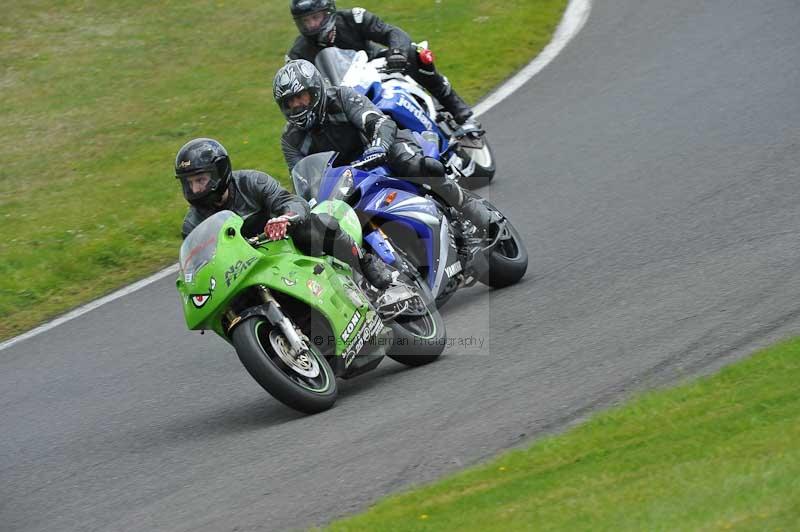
{"x": 654, "y": 170}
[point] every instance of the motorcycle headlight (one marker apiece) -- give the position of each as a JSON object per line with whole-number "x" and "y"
{"x": 345, "y": 185}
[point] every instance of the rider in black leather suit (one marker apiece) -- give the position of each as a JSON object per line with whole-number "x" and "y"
{"x": 321, "y": 25}
{"x": 321, "y": 118}
{"x": 210, "y": 185}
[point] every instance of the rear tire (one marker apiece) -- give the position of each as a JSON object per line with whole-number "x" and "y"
{"x": 257, "y": 347}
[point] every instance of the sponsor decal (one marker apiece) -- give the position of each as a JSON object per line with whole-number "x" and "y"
{"x": 453, "y": 269}
{"x": 290, "y": 279}
{"x": 188, "y": 277}
{"x": 416, "y": 111}
{"x": 212, "y": 284}
{"x": 358, "y": 14}
{"x": 198, "y": 300}
{"x": 314, "y": 287}
{"x": 233, "y": 273}
{"x": 351, "y": 326}
{"x": 347, "y": 173}
{"x": 185, "y": 164}
{"x": 367, "y": 333}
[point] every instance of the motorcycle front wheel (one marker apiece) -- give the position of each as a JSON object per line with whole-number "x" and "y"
{"x": 508, "y": 260}
{"x": 485, "y": 167}
{"x": 304, "y": 382}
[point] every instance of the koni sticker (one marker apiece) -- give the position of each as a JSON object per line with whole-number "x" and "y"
{"x": 351, "y": 326}
{"x": 288, "y": 282}
{"x": 367, "y": 333}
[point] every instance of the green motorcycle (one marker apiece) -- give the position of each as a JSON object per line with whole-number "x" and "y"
{"x": 298, "y": 322}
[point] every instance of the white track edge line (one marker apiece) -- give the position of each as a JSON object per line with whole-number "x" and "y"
{"x": 80, "y": 311}
{"x": 574, "y": 18}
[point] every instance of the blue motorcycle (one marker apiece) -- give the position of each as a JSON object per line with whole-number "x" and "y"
{"x": 464, "y": 148}
{"x": 413, "y": 231}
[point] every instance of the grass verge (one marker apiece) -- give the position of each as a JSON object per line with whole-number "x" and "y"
{"x": 717, "y": 454}
{"x": 98, "y": 97}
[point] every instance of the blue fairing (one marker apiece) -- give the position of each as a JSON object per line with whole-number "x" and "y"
{"x": 406, "y": 112}
{"x": 419, "y": 214}
{"x": 381, "y": 246}
{"x": 407, "y": 206}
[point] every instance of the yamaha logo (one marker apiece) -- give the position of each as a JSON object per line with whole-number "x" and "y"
{"x": 453, "y": 269}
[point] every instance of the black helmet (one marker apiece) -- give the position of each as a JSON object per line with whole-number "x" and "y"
{"x": 293, "y": 79}
{"x": 316, "y": 27}
{"x": 204, "y": 168}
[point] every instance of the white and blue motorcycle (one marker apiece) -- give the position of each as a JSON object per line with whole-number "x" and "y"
{"x": 464, "y": 148}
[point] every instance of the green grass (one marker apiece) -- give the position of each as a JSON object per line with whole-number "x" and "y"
{"x": 718, "y": 454}
{"x": 98, "y": 96}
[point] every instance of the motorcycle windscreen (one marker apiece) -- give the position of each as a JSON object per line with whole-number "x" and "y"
{"x": 200, "y": 246}
{"x": 307, "y": 174}
{"x": 333, "y": 64}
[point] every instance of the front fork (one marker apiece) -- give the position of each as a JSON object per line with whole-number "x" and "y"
{"x": 271, "y": 310}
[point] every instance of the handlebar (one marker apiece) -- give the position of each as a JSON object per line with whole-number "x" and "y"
{"x": 262, "y": 238}
{"x": 369, "y": 162}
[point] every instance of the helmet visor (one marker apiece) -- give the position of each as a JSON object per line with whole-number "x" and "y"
{"x": 299, "y": 108}
{"x": 197, "y": 185}
{"x": 312, "y": 24}
{"x": 296, "y": 104}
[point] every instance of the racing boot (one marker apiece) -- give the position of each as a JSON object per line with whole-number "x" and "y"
{"x": 474, "y": 210}
{"x": 469, "y": 207}
{"x": 344, "y": 248}
{"x": 375, "y": 271}
{"x": 453, "y": 103}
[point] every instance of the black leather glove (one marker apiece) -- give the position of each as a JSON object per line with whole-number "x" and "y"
{"x": 396, "y": 60}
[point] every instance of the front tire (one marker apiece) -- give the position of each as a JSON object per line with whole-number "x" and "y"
{"x": 485, "y": 167}
{"x": 308, "y": 385}
{"x": 508, "y": 260}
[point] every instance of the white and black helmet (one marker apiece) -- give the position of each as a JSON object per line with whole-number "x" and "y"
{"x": 292, "y": 80}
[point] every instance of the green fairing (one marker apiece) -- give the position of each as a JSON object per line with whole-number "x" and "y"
{"x": 348, "y": 219}
{"x": 236, "y": 266}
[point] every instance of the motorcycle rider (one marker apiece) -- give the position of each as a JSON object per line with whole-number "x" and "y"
{"x": 321, "y": 118}
{"x": 321, "y": 25}
{"x": 210, "y": 185}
